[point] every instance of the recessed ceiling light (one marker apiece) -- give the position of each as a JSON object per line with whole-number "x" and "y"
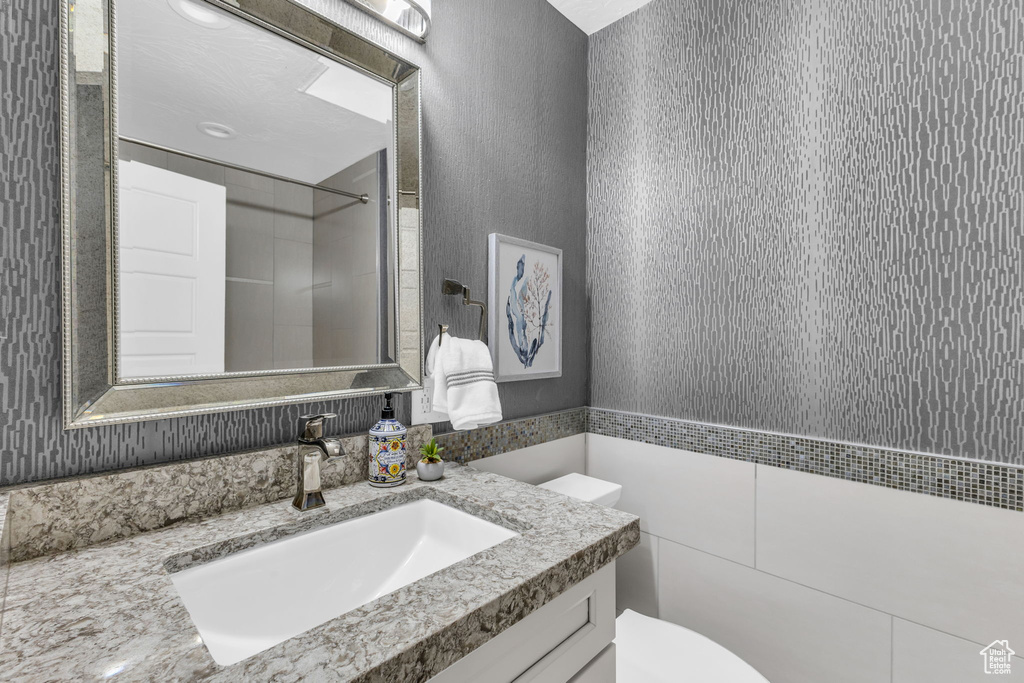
{"x": 198, "y": 12}
{"x": 216, "y": 130}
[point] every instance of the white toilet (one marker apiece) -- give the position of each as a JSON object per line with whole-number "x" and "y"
{"x": 649, "y": 650}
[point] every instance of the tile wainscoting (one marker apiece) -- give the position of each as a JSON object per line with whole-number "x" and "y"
{"x": 986, "y": 483}
{"x": 808, "y": 578}
{"x": 813, "y": 578}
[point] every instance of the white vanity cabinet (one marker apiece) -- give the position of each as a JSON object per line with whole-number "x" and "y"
{"x": 552, "y": 644}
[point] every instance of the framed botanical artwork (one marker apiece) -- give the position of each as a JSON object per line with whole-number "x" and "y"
{"x": 525, "y": 304}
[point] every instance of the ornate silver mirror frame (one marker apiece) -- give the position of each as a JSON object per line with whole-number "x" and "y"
{"x": 92, "y": 395}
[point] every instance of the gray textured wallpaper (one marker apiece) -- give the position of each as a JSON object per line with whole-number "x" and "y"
{"x": 505, "y": 101}
{"x": 807, "y": 216}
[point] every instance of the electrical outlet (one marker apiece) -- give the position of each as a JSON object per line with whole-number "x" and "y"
{"x": 423, "y": 405}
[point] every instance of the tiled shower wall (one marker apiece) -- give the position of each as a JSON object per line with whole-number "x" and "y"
{"x": 805, "y": 218}
{"x": 346, "y": 269}
{"x": 269, "y": 288}
{"x": 504, "y": 145}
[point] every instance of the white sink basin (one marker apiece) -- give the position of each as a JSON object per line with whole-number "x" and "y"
{"x": 254, "y": 599}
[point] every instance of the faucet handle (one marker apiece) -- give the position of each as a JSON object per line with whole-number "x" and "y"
{"x": 314, "y": 428}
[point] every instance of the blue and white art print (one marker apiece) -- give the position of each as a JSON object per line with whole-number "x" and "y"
{"x": 525, "y": 305}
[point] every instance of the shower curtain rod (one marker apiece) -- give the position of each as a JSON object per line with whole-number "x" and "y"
{"x": 364, "y": 198}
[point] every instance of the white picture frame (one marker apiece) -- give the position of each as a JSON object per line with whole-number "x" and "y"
{"x": 525, "y": 309}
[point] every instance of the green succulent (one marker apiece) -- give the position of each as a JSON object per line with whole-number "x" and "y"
{"x": 431, "y": 452}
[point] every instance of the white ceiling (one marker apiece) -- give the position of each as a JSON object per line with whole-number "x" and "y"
{"x": 296, "y": 114}
{"x": 594, "y": 15}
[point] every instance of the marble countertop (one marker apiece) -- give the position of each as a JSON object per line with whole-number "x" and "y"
{"x": 4, "y": 551}
{"x": 111, "y": 610}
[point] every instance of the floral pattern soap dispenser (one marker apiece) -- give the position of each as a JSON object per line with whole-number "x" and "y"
{"x": 387, "y": 449}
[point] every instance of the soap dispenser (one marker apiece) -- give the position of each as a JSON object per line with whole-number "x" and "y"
{"x": 387, "y": 449}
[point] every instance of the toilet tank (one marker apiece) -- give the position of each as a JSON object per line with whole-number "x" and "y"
{"x": 586, "y": 488}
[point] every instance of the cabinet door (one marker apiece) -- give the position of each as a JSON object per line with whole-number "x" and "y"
{"x": 552, "y": 644}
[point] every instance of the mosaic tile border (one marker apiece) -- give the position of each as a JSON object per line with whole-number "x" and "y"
{"x": 502, "y": 437}
{"x": 972, "y": 481}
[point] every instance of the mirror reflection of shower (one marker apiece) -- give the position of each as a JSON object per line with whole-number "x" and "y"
{"x": 254, "y": 178}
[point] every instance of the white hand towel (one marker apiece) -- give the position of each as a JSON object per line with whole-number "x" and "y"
{"x": 464, "y": 382}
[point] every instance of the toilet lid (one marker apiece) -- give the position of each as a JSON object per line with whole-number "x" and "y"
{"x": 582, "y": 487}
{"x": 650, "y": 650}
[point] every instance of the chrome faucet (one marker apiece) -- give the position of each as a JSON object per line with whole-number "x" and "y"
{"x": 313, "y": 449}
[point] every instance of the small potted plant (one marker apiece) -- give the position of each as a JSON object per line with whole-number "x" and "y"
{"x": 430, "y": 466}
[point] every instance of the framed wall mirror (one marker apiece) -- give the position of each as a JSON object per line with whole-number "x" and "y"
{"x": 241, "y": 210}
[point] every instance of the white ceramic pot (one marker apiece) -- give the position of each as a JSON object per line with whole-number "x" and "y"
{"x": 429, "y": 471}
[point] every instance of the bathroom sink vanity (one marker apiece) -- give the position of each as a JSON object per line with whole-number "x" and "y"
{"x": 189, "y": 241}
{"x": 474, "y": 577}
{"x": 243, "y": 602}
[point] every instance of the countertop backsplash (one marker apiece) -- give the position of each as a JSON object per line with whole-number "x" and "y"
{"x": 75, "y": 513}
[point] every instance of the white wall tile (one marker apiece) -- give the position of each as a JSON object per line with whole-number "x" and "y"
{"x": 248, "y": 326}
{"x": 293, "y": 283}
{"x": 703, "y": 501}
{"x": 540, "y": 463}
{"x": 790, "y": 633}
{"x": 923, "y": 655}
{"x": 636, "y": 578}
{"x": 293, "y": 346}
{"x": 949, "y": 565}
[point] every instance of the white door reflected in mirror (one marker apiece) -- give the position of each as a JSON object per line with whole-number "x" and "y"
{"x": 171, "y": 263}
